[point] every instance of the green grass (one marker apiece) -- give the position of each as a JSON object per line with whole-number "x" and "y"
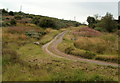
{"x": 48, "y": 68}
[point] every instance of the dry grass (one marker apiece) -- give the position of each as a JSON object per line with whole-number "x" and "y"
{"x": 104, "y": 46}
{"x": 96, "y": 45}
{"x": 86, "y": 32}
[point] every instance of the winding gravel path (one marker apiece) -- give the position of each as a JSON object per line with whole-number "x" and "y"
{"x": 51, "y": 49}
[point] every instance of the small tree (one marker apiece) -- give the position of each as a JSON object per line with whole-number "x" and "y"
{"x": 13, "y": 22}
{"x": 18, "y": 17}
{"x": 11, "y": 13}
{"x": 91, "y": 21}
{"x": 108, "y": 23}
{"x": 47, "y": 22}
{"x": 4, "y": 12}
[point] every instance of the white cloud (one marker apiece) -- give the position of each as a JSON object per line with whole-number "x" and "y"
{"x": 66, "y": 9}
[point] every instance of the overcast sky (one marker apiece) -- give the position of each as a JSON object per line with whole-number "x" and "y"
{"x": 64, "y": 9}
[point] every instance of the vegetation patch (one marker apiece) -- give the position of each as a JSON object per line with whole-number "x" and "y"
{"x": 91, "y": 47}
{"x": 113, "y": 59}
{"x": 81, "y": 53}
{"x": 86, "y": 32}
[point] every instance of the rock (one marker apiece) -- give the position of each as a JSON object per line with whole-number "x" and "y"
{"x": 37, "y": 43}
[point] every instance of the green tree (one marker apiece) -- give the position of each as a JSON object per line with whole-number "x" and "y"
{"x": 107, "y": 22}
{"x": 91, "y": 21}
{"x": 47, "y": 22}
{"x": 11, "y": 13}
{"x": 4, "y": 12}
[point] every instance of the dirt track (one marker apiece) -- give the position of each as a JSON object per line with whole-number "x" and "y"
{"x": 51, "y": 48}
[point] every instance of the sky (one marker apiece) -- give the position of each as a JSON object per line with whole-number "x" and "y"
{"x": 77, "y": 10}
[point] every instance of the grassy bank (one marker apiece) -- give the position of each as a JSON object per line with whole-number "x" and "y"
{"x": 25, "y": 61}
{"x": 103, "y": 47}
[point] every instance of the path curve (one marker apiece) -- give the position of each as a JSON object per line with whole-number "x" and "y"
{"x": 51, "y": 48}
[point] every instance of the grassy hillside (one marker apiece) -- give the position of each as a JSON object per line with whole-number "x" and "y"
{"x": 12, "y": 18}
{"x": 91, "y": 44}
{"x": 23, "y": 60}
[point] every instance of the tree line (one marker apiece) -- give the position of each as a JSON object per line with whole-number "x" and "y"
{"x": 107, "y": 23}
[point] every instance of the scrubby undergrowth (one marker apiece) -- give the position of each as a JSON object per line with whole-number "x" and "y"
{"x": 100, "y": 47}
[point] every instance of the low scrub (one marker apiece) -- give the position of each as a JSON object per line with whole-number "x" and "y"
{"x": 81, "y": 53}
{"x": 84, "y": 54}
{"x": 86, "y": 32}
{"x": 113, "y": 59}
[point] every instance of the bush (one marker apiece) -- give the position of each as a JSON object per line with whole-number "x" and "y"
{"x": 107, "y": 23}
{"x": 18, "y": 17}
{"x": 113, "y": 59}
{"x": 35, "y": 21}
{"x": 81, "y": 53}
{"x": 47, "y": 22}
{"x": 100, "y": 29}
{"x": 69, "y": 50}
{"x": 13, "y": 22}
{"x": 5, "y": 24}
{"x": 84, "y": 54}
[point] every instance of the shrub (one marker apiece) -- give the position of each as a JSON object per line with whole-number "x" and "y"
{"x": 35, "y": 21}
{"x": 81, "y": 53}
{"x": 107, "y": 23}
{"x": 18, "y": 17}
{"x": 13, "y": 22}
{"x": 5, "y": 24}
{"x": 47, "y": 22}
{"x": 69, "y": 50}
{"x": 113, "y": 59}
{"x": 84, "y": 54}
{"x": 100, "y": 29}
